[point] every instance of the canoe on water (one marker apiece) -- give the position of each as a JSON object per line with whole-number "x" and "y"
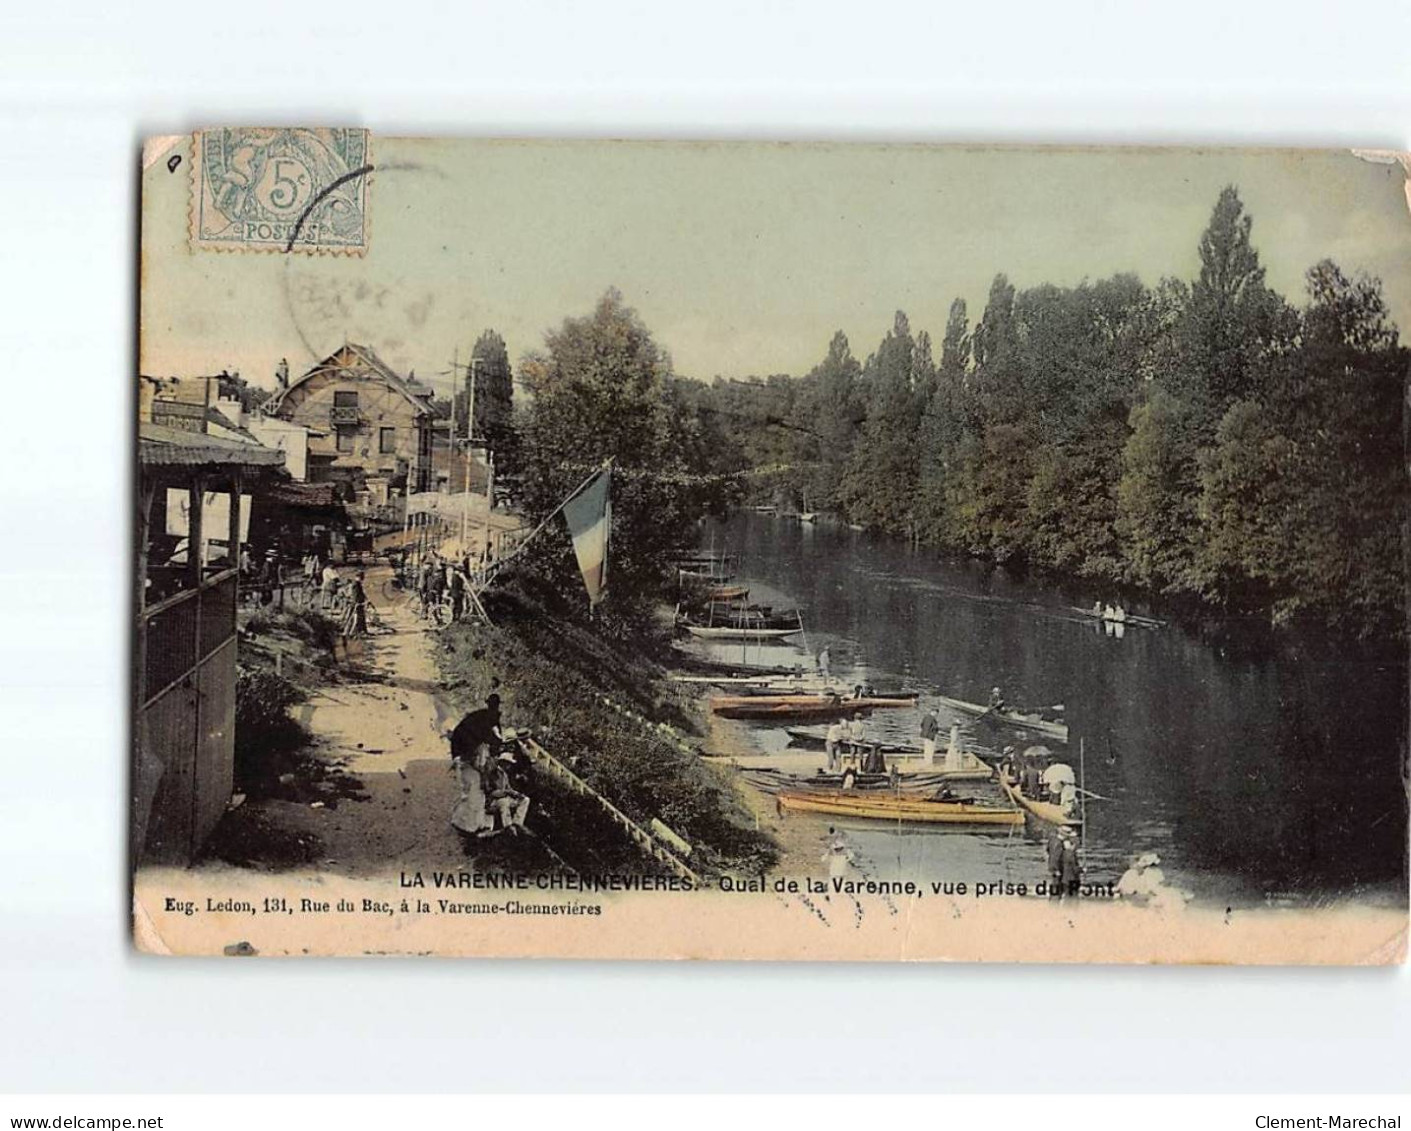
{"x": 1009, "y": 717}
{"x": 879, "y": 806}
{"x": 1043, "y": 810}
{"x": 799, "y": 708}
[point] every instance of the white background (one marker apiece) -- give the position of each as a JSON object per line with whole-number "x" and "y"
{"x": 81, "y": 84}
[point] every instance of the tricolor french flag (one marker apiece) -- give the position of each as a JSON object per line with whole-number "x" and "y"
{"x": 589, "y": 517}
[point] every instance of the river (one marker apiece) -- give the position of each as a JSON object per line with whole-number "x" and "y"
{"x": 1262, "y": 773}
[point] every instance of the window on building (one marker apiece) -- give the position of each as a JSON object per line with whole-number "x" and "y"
{"x": 345, "y": 439}
{"x": 387, "y": 441}
{"x": 345, "y": 399}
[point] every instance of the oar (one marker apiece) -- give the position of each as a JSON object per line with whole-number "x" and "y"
{"x": 1094, "y": 796}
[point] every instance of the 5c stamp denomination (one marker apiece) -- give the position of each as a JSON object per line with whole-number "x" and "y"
{"x": 281, "y": 189}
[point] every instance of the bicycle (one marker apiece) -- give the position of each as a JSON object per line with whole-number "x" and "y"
{"x": 399, "y": 586}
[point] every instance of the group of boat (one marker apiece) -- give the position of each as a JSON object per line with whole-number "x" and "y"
{"x": 711, "y": 608}
{"x": 807, "y": 702}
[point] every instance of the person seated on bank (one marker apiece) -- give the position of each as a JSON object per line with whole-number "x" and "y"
{"x": 996, "y": 700}
{"x": 502, "y": 800}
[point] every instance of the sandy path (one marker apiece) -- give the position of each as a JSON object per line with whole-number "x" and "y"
{"x": 389, "y": 733}
{"x": 384, "y": 732}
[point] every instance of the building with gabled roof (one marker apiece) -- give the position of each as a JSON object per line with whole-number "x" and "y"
{"x": 366, "y": 421}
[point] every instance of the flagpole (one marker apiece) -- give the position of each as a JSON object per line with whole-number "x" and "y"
{"x": 554, "y": 513}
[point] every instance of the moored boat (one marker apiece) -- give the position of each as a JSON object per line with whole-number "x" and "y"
{"x": 894, "y": 806}
{"x": 801, "y": 708}
{"x": 816, "y": 738}
{"x": 1052, "y": 729}
{"x": 739, "y": 632}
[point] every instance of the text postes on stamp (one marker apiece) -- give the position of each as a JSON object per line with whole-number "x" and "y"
{"x": 281, "y": 189}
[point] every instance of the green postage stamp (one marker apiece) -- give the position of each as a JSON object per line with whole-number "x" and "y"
{"x": 280, "y": 189}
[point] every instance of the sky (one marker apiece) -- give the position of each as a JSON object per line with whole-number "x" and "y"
{"x": 742, "y": 258}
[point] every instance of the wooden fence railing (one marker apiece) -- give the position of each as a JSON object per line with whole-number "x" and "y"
{"x": 644, "y": 840}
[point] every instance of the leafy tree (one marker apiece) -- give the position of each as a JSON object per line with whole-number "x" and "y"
{"x": 879, "y": 487}
{"x": 834, "y": 406}
{"x": 1304, "y": 493}
{"x": 942, "y": 427}
{"x": 603, "y": 389}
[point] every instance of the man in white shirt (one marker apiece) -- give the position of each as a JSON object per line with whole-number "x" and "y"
{"x": 832, "y": 746}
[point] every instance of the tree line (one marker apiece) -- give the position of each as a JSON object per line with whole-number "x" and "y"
{"x": 1205, "y": 439}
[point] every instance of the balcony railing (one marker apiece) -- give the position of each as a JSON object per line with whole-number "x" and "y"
{"x": 345, "y": 414}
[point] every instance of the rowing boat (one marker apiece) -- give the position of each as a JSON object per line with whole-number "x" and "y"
{"x": 970, "y": 769}
{"x": 1126, "y": 618}
{"x": 727, "y": 592}
{"x": 1054, "y": 730}
{"x": 1043, "y": 810}
{"x": 800, "y": 708}
{"x": 878, "y": 806}
{"x": 691, "y": 661}
{"x": 740, "y": 632}
{"x": 816, "y": 738}
{"x": 913, "y": 782}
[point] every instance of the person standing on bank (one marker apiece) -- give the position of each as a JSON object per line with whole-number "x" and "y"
{"x": 930, "y": 727}
{"x": 329, "y": 587}
{"x": 479, "y": 729}
{"x": 355, "y": 611}
{"x": 833, "y": 744}
{"x": 457, "y": 594}
{"x": 1064, "y": 871}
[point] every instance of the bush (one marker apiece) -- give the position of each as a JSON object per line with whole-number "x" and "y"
{"x": 264, "y": 731}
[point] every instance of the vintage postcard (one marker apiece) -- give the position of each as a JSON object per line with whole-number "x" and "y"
{"x": 704, "y": 550}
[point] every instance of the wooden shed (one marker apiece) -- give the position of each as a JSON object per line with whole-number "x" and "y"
{"x": 184, "y": 671}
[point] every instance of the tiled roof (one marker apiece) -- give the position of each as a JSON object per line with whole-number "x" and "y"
{"x": 160, "y": 446}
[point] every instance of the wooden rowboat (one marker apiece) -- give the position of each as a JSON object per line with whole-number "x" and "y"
{"x": 727, "y": 592}
{"x": 878, "y": 806}
{"x": 1043, "y": 810}
{"x": 1053, "y": 730}
{"x": 816, "y": 738}
{"x": 799, "y": 708}
{"x": 731, "y": 632}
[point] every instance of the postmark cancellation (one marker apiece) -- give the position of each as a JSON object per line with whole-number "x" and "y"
{"x": 281, "y": 189}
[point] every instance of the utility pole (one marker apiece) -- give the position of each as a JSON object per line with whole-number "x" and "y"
{"x": 469, "y": 435}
